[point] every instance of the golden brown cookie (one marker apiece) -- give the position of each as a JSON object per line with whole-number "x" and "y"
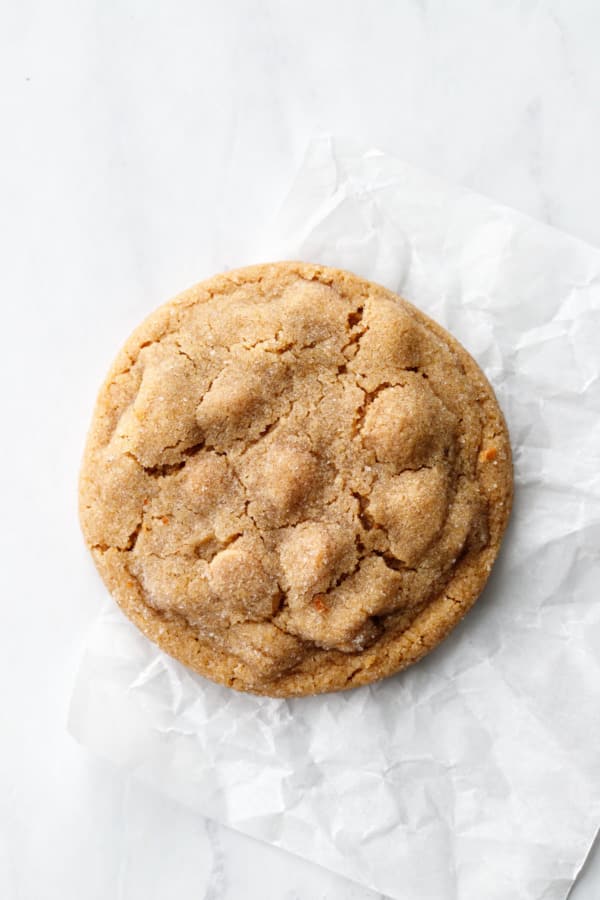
{"x": 295, "y": 481}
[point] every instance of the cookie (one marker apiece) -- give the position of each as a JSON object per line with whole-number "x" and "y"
{"x": 294, "y": 481}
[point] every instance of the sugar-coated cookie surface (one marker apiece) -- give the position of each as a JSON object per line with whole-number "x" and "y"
{"x": 294, "y": 481}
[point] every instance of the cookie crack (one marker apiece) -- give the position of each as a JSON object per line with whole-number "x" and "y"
{"x": 366, "y": 521}
{"x": 214, "y": 546}
{"x": 369, "y": 524}
{"x": 398, "y": 382}
{"x": 266, "y": 430}
{"x": 134, "y": 359}
{"x": 352, "y": 675}
{"x": 127, "y": 547}
{"x": 392, "y": 561}
{"x": 345, "y": 575}
{"x": 369, "y": 397}
{"x": 267, "y": 345}
{"x": 186, "y": 355}
{"x": 357, "y": 328}
{"x": 166, "y": 469}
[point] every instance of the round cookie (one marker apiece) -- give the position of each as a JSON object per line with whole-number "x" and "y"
{"x": 294, "y": 481}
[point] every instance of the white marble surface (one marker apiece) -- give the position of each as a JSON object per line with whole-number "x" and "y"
{"x": 143, "y": 143}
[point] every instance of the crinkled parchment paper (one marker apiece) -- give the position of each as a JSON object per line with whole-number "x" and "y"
{"x": 476, "y": 773}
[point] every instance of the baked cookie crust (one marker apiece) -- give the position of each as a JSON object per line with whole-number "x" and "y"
{"x": 295, "y": 481}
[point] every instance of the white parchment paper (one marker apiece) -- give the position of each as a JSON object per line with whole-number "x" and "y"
{"x": 476, "y": 773}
